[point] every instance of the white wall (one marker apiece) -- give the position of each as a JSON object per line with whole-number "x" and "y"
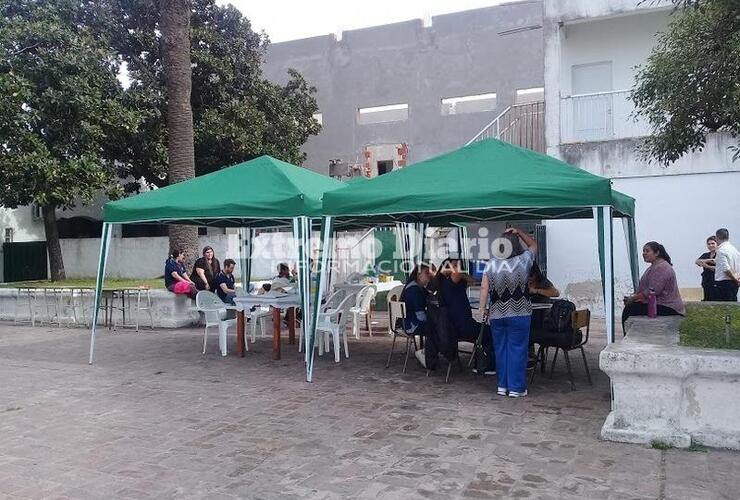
{"x": 589, "y": 31}
{"x": 626, "y": 41}
{"x": 569, "y": 10}
{"x": 145, "y": 257}
{"x": 679, "y": 211}
{"x": 621, "y": 158}
{"x": 25, "y": 227}
{"x": 573, "y": 262}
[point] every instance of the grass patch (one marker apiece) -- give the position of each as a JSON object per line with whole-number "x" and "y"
{"x": 660, "y": 445}
{"x": 704, "y": 326}
{"x": 88, "y": 282}
{"x": 697, "y": 447}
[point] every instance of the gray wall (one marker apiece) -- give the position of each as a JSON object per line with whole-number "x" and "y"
{"x": 459, "y": 54}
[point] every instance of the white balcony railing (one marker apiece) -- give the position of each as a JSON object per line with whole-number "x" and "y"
{"x": 520, "y": 124}
{"x": 601, "y": 116}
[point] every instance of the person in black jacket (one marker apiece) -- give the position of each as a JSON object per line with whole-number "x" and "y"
{"x": 414, "y": 295}
{"x": 706, "y": 262}
{"x": 451, "y": 284}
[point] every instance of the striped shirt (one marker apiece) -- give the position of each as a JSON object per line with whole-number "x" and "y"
{"x": 508, "y": 285}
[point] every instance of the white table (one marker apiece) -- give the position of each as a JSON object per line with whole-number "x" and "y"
{"x": 385, "y": 286}
{"x": 244, "y": 302}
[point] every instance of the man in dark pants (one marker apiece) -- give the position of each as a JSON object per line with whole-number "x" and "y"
{"x": 726, "y": 267}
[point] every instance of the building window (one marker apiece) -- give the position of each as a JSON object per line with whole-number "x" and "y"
{"x": 468, "y": 104}
{"x": 383, "y": 114}
{"x": 385, "y": 166}
{"x": 9, "y": 233}
{"x": 535, "y": 94}
{"x": 319, "y": 117}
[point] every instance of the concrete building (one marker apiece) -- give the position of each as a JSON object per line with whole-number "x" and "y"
{"x": 388, "y": 95}
{"x": 592, "y": 48}
{"x": 400, "y": 93}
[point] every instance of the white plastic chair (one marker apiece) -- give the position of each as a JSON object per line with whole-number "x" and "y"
{"x": 334, "y": 324}
{"x": 258, "y": 315}
{"x": 362, "y": 308}
{"x": 355, "y": 278}
{"x": 331, "y": 304}
{"x": 28, "y": 298}
{"x": 334, "y": 300}
{"x": 393, "y": 294}
{"x": 215, "y": 314}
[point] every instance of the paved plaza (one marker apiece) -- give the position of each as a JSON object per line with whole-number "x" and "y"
{"x": 155, "y": 419}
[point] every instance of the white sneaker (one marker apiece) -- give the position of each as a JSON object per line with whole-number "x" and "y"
{"x": 420, "y": 356}
{"x": 501, "y": 391}
{"x": 514, "y": 394}
{"x": 487, "y": 372}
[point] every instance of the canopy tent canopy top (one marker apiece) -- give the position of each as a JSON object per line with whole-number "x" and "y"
{"x": 260, "y": 193}
{"x": 263, "y": 192}
{"x": 487, "y": 180}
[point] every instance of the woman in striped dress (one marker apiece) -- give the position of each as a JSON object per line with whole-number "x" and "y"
{"x": 505, "y": 301}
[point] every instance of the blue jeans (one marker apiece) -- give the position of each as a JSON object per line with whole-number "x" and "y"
{"x": 510, "y": 343}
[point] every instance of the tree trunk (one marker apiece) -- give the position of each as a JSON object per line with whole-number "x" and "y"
{"x": 175, "y": 26}
{"x": 56, "y": 261}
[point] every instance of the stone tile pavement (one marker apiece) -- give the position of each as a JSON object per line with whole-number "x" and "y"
{"x": 155, "y": 419}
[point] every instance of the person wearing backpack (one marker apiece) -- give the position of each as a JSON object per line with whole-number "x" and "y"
{"x": 506, "y": 285}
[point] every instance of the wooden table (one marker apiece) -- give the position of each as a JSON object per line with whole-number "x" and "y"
{"x": 245, "y": 302}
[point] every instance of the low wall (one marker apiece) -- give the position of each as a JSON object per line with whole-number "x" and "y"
{"x": 145, "y": 257}
{"x": 668, "y": 393}
{"x": 168, "y": 310}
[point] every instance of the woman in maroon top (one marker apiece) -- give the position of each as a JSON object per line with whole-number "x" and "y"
{"x": 659, "y": 277}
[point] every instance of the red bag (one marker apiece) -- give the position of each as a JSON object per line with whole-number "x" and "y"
{"x": 182, "y": 287}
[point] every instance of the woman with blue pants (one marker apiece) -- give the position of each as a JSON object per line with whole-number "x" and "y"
{"x": 505, "y": 301}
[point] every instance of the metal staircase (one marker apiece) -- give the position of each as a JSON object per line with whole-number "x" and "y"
{"x": 520, "y": 124}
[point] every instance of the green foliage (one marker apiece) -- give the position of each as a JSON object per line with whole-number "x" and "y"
{"x": 61, "y": 107}
{"x": 696, "y": 447}
{"x": 704, "y": 326}
{"x": 689, "y": 85}
{"x": 237, "y": 114}
{"x": 660, "y": 445}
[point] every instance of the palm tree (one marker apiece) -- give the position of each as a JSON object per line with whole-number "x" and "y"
{"x": 174, "y": 23}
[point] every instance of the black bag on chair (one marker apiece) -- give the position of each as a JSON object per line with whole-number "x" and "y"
{"x": 440, "y": 338}
{"x": 559, "y": 318}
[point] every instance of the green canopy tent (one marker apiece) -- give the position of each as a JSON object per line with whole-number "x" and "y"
{"x": 260, "y": 193}
{"x": 488, "y": 180}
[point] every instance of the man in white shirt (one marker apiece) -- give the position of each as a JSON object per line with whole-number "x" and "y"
{"x": 727, "y": 267}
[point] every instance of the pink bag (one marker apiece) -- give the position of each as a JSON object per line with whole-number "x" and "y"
{"x": 182, "y": 287}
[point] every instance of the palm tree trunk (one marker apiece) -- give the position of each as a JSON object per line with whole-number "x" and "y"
{"x": 56, "y": 262}
{"x": 175, "y": 27}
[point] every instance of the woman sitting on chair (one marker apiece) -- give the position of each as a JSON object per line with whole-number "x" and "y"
{"x": 452, "y": 285}
{"x": 541, "y": 289}
{"x": 415, "y": 296}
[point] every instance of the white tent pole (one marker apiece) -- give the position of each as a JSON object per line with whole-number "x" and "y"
{"x": 324, "y": 261}
{"x": 608, "y": 245}
{"x": 630, "y": 237}
{"x": 465, "y": 247}
{"x": 246, "y": 240}
{"x": 102, "y": 259}
{"x": 306, "y": 276}
{"x": 403, "y": 240}
{"x": 423, "y": 241}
